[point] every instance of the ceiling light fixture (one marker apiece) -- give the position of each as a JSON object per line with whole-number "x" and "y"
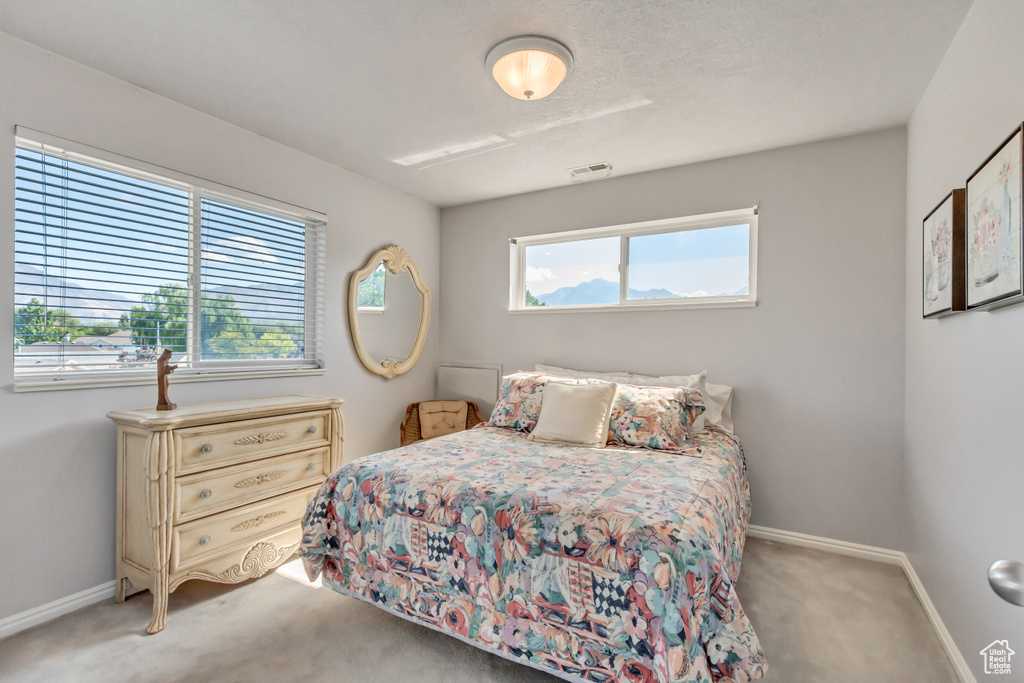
{"x": 529, "y": 67}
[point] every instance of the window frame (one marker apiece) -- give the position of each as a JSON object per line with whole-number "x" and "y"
{"x": 199, "y": 189}
{"x": 517, "y": 263}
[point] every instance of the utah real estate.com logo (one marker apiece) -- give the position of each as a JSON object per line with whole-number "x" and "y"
{"x": 997, "y": 657}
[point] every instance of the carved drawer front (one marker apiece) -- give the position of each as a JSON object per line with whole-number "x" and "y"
{"x": 202, "y": 448}
{"x": 207, "y": 537}
{"x": 208, "y": 492}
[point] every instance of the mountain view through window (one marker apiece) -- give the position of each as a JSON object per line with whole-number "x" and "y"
{"x": 703, "y": 263}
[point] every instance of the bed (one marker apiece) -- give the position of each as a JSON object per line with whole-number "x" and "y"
{"x": 594, "y": 564}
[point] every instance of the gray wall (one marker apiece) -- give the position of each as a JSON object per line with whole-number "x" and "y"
{"x": 57, "y": 448}
{"x": 817, "y": 365}
{"x": 965, "y": 374}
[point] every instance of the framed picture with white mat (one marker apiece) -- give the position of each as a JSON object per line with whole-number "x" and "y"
{"x": 994, "y": 228}
{"x": 943, "y": 258}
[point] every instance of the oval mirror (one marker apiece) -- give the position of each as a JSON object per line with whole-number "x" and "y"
{"x": 389, "y": 312}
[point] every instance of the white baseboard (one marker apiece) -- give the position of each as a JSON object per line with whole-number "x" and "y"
{"x": 955, "y": 658}
{"x": 867, "y": 552}
{"x": 51, "y": 610}
{"x": 864, "y": 552}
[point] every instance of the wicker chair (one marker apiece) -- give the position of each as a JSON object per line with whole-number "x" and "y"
{"x": 411, "y": 429}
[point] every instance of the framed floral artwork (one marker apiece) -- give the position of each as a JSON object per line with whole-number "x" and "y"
{"x": 943, "y": 257}
{"x": 994, "y": 191}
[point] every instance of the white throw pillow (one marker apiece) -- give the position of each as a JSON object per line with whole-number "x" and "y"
{"x": 575, "y": 413}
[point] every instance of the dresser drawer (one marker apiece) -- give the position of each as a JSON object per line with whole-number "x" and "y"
{"x": 204, "y": 538}
{"x": 203, "y": 448}
{"x": 215, "y": 490}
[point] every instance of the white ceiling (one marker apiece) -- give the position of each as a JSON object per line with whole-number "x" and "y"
{"x": 396, "y": 90}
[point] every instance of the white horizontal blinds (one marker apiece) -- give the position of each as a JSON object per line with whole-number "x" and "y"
{"x": 316, "y": 269}
{"x": 92, "y": 246}
{"x": 253, "y": 292}
{"x": 114, "y": 264}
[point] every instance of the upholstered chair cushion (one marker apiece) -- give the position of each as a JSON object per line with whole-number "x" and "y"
{"x": 438, "y": 418}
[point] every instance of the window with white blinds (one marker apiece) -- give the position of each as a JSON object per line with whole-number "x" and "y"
{"x": 114, "y": 264}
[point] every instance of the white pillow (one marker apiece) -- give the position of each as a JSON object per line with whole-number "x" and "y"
{"x": 620, "y": 376}
{"x": 720, "y": 396}
{"x": 717, "y": 397}
{"x": 575, "y": 413}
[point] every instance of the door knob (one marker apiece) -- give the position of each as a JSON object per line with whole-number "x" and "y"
{"x": 1007, "y": 580}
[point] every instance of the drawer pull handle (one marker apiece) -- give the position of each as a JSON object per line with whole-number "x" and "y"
{"x": 311, "y": 430}
{"x": 257, "y": 521}
{"x": 206, "y": 448}
{"x": 260, "y": 479}
{"x": 206, "y": 494}
{"x": 204, "y": 540}
{"x": 311, "y": 466}
{"x": 263, "y": 437}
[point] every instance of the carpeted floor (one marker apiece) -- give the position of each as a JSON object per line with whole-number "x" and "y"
{"x": 820, "y": 617}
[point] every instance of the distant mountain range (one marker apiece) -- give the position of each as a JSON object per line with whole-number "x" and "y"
{"x": 96, "y": 307}
{"x": 91, "y": 306}
{"x": 597, "y": 291}
{"x": 601, "y": 291}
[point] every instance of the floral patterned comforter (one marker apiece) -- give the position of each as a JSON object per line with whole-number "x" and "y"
{"x": 611, "y": 564}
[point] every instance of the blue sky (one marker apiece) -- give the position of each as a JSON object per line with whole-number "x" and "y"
{"x": 692, "y": 263}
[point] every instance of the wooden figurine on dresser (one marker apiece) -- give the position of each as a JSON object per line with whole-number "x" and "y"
{"x": 163, "y": 371}
{"x": 216, "y": 491}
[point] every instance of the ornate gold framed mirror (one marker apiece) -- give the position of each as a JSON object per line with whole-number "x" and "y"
{"x": 388, "y": 312}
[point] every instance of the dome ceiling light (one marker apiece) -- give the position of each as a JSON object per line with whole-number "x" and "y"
{"x": 529, "y": 67}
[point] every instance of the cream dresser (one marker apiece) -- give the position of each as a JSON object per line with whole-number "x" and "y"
{"x": 217, "y": 491}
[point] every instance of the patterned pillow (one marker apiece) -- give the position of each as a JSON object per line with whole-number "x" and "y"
{"x": 519, "y": 401}
{"x": 695, "y": 407}
{"x": 660, "y": 418}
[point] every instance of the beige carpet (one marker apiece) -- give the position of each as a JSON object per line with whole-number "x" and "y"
{"x": 820, "y": 617}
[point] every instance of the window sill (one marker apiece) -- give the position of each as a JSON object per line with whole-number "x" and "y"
{"x": 604, "y": 308}
{"x": 27, "y": 385}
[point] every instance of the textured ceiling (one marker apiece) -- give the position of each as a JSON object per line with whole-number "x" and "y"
{"x": 397, "y": 91}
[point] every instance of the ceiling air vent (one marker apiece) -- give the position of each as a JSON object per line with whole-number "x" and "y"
{"x": 593, "y": 172}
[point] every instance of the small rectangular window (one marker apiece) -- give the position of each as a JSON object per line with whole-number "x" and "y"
{"x": 114, "y": 264}
{"x": 707, "y": 261}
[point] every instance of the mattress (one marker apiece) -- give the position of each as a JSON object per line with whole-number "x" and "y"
{"x": 594, "y": 564}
